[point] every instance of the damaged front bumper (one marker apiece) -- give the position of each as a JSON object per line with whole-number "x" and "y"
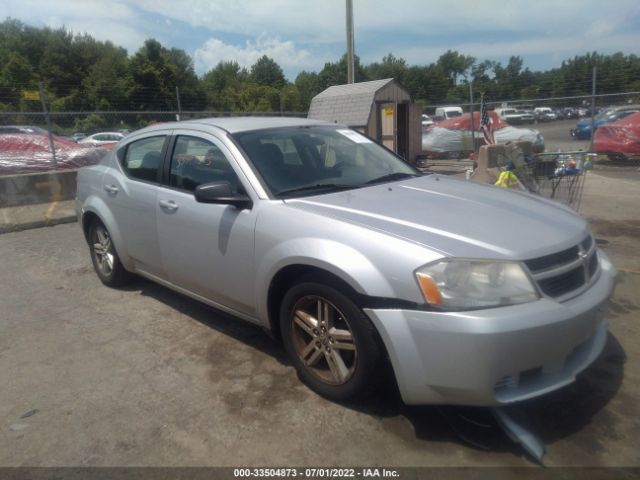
{"x": 495, "y": 356}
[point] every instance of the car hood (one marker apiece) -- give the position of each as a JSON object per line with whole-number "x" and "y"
{"x": 455, "y": 217}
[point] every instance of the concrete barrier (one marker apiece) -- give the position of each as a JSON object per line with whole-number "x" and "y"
{"x": 37, "y": 188}
{"x": 34, "y": 200}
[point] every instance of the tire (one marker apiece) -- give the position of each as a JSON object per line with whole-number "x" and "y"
{"x": 331, "y": 343}
{"x": 105, "y": 260}
{"x": 616, "y": 157}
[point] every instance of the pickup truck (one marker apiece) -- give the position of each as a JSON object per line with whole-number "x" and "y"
{"x": 510, "y": 115}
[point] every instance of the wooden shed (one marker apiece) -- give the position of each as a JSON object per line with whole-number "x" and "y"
{"x": 382, "y": 109}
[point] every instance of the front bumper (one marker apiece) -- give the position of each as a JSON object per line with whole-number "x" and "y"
{"x": 581, "y": 133}
{"x": 495, "y": 356}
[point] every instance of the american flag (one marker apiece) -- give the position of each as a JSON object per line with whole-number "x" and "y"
{"x": 486, "y": 123}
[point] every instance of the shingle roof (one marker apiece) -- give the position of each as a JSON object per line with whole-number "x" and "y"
{"x": 349, "y": 104}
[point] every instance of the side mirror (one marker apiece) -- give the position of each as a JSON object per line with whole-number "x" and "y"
{"x": 221, "y": 193}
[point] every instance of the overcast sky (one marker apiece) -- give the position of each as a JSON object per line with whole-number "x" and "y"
{"x": 304, "y": 34}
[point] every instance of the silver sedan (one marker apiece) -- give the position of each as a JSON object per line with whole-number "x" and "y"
{"x": 358, "y": 262}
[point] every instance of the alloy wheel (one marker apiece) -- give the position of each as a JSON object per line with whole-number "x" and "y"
{"x": 103, "y": 251}
{"x": 323, "y": 340}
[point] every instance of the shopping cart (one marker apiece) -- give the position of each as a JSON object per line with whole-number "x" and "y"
{"x": 559, "y": 176}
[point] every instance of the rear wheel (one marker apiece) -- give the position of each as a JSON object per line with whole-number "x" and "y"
{"x": 616, "y": 157}
{"x": 104, "y": 257}
{"x": 330, "y": 341}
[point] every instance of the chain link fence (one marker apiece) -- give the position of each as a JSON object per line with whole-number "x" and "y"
{"x": 578, "y": 102}
{"x": 28, "y": 146}
{"x": 41, "y": 151}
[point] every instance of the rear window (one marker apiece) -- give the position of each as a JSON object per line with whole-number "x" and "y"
{"x": 142, "y": 158}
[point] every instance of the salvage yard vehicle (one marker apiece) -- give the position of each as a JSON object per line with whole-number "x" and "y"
{"x": 27, "y": 149}
{"x": 448, "y": 112}
{"x": 583, "y": 127}
{"x": 452, "y": 138}
{"x": 544, "y": 114}
{"x": 470, "y": 293}
{"x": 620, "y": 139}
{"x": 102, "y": 138}
{"x": 510, "y": 115}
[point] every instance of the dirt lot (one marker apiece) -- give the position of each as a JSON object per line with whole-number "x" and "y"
{"x": 144, "y": 376}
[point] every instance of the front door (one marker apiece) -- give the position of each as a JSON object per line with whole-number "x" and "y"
{"x": 207, "y": 249}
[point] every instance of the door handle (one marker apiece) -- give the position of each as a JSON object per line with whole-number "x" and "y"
{"x": 168, "y": 205}
{"x": 111, "y": 189}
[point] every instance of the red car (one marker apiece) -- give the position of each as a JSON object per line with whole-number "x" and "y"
{"x": 29, "y": 151}
{"x": 619, "y": 139}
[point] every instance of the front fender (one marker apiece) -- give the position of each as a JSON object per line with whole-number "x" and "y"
{"x": 95, "y": 205}
{"x": 343, "y": 261}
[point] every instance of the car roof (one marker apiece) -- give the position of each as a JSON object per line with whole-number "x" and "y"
{"x": 240, "y": 124}
{"x": 627, "y": 107}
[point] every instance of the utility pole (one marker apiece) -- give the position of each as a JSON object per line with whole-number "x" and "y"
{"x": 179, "y": 105}
{"x": 473, "y": 132}
{"x": 593, "y": 108}
{"x": 48, "y": 120}
{"x": 350, "y": 58}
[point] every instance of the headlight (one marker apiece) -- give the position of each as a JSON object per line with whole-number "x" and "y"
{"x": 475, "y": 284}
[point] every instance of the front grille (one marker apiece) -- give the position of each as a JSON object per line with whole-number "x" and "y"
{"x": 566, "y": 271}
{"x": 549, "y": 261}
{"x": 564, "y": 283}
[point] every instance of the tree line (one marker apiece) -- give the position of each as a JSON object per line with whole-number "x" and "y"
{"x": 81, "y": 74}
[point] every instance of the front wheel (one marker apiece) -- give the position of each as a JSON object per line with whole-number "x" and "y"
{"x": 330, "y": 341}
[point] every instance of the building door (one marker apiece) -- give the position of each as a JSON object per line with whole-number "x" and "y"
{"x": 402, "y": 130}
{"x": 387, "y": 116}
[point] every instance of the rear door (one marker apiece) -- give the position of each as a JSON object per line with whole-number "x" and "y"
{"x": 131, "y": 197}
{"x": 207, "y": 249}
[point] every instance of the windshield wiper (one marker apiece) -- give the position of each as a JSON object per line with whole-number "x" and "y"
{"x": 393, "y": 176}
{"x": 318, "y": 186}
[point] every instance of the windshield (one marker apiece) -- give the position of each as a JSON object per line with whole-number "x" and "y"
{"x": 453, "y": 113}
{"x": 605, "y": 114}
{"x": 297, "y": 161}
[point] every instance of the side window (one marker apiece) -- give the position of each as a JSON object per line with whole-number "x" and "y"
{"x": 196, "y": 161}
{"x": 143, "y": 158}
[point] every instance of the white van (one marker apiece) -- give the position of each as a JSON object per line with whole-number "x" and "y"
{"x": 448, "y": 112}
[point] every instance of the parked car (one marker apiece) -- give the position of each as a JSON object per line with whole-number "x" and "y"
{"x": 509, "y": 115}
{"x": 4, "y": 129}
{"x": 544, "y": 114}
{"x": 619, "y": 139}
{"x": 449, "y": 112}
{"x": 102, "y": 138}
{"x": 566, "y": 113}
{"x": 526, "y": 116}
{"x": 29, "y": 151}
{"x": 321, "y": 236}
{"x": 426, "y": 121}
{"x": 77, "y": 136}
{"x": 452, "y": 138}
{"x": 582, "y": 129}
